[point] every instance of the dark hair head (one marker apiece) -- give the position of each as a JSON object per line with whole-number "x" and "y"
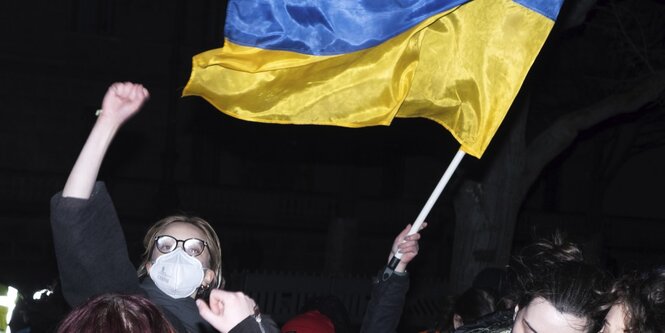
{"x": 553, "y": 270}
{"x": 546, "y": 254}
{"x": 113, "y": 313}
{"x": 473, "y": 304}
{"x": 643, "y": 298}
{"x": 493, "y": 280}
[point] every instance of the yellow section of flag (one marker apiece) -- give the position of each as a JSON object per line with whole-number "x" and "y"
{"x": 461, "y": 68}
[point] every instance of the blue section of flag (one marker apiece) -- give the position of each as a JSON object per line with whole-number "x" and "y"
{"x": 548, "y": 8}
{"x": 325, "y": 27}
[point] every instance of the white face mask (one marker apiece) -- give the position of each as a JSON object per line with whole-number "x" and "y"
{"x": 177, "y": 274}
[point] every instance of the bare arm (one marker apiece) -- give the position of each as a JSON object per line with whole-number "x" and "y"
{"x": 122, "y": 101}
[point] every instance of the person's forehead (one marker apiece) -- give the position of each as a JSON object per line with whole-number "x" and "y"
{"x": 182, "y": 230}
{"x": 543, "y": 317}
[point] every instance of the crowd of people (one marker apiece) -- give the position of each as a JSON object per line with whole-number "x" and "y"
{"x": 179, "y": 286}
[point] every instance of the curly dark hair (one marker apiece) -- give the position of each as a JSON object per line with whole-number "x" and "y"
{"x": 553, "y": 269}
{"x": 642, "y": 295}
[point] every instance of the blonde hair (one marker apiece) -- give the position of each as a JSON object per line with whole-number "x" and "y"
{"x": 214, "y": 245}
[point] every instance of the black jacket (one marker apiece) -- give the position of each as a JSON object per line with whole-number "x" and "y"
{"x": 386, "y": 303}
{"x": 92, "y": 257}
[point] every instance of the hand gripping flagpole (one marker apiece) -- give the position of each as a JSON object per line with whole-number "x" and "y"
{"x": 394, "y": 261}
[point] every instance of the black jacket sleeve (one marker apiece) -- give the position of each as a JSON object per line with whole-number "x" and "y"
{"x": 252, "y": 325}
{"x": 386, "y": 304}
{"x": 90, "y": 247}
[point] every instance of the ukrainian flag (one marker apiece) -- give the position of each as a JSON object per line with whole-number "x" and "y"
{"x": 358, "y": 63}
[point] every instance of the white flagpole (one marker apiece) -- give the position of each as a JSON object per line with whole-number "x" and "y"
{"x": 430, "y": 202}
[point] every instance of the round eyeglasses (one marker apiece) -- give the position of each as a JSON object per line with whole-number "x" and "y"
{"x": 192, "y": 246}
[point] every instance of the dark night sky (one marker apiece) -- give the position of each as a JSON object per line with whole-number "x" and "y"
{"x": 57, "y": 57}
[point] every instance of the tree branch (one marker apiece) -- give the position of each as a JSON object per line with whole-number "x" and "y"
{"x": 576, "y": 14}
{"x": 561, "y": 134}
{"x": 619, "y": 21}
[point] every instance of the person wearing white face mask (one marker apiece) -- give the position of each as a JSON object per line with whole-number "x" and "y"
{"x": 182, "y": 254}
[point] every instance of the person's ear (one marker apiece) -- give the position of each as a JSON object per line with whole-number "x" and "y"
{"x": 209, "y": 277}
{"x": 457, "y": 321}
{"x": 517, "y": 309}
